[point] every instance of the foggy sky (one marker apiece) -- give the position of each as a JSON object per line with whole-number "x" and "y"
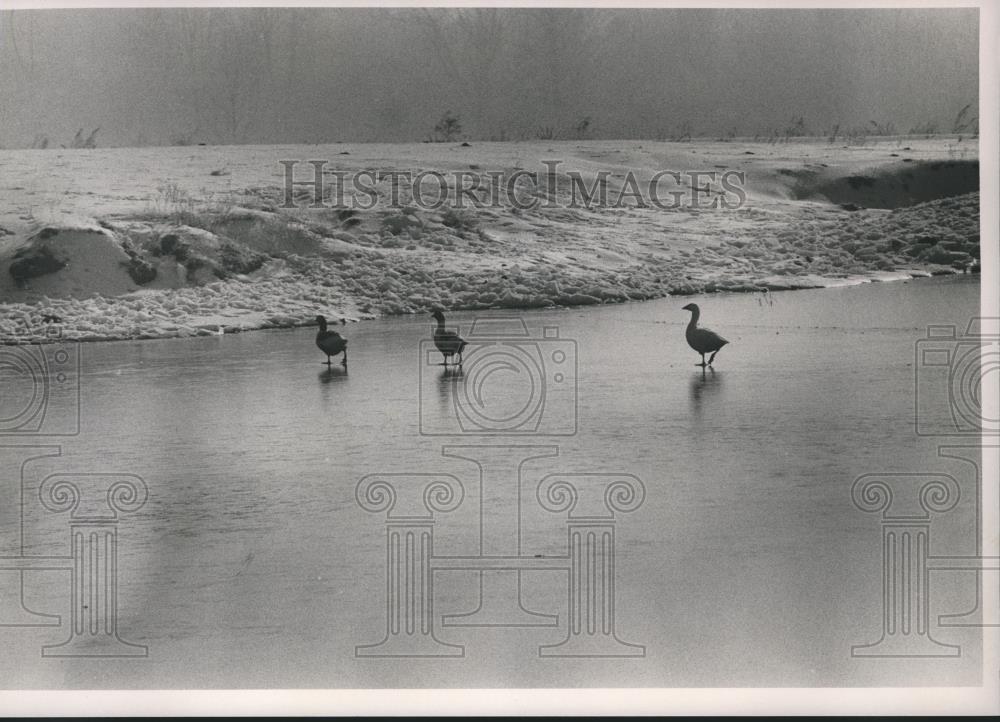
{"x": 307, "y": 75}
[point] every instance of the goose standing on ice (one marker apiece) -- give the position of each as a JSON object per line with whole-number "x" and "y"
{"x": 701, "y": 339}
{"x": 448, "y": 342}
{"x": 330, "y": 342}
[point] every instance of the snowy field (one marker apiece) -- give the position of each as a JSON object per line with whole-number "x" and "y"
{"x": 182, "y": 241}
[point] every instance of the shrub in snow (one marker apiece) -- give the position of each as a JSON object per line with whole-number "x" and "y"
{"x": 34, "y": 261}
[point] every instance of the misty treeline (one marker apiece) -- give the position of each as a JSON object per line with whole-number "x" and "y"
{"x": 189, "y": 75}
{"x": 269, "y": 74}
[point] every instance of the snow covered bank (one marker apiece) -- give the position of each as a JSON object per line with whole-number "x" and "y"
{"x": 158, "y": 258}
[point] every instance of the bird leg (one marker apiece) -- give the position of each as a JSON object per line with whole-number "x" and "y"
{"x": 328, "y": 362}
{"x": 702, "y": 364}
{"x": 344, "y": 362}
{"x": 712, "y": 357}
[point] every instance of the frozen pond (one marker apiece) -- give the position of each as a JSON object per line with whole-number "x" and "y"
{"x": 252, "y": 564}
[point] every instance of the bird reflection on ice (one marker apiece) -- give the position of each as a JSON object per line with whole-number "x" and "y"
{"x": 704, "y": 384}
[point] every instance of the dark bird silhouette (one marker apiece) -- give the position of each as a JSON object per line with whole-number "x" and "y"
{"x": 701, "y": 339}
{"x": 330, "y": 342}
{"x": 448, "y": 342}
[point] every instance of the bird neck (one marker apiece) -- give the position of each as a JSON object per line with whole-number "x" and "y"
{"x": 694, "y": 318}
{"x": 322, "y": 326}
{"x": 440, "y": 326}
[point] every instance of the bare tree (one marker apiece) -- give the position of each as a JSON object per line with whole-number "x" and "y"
{"x": 467, "y": 45}
{"x": 18, "y": 32}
